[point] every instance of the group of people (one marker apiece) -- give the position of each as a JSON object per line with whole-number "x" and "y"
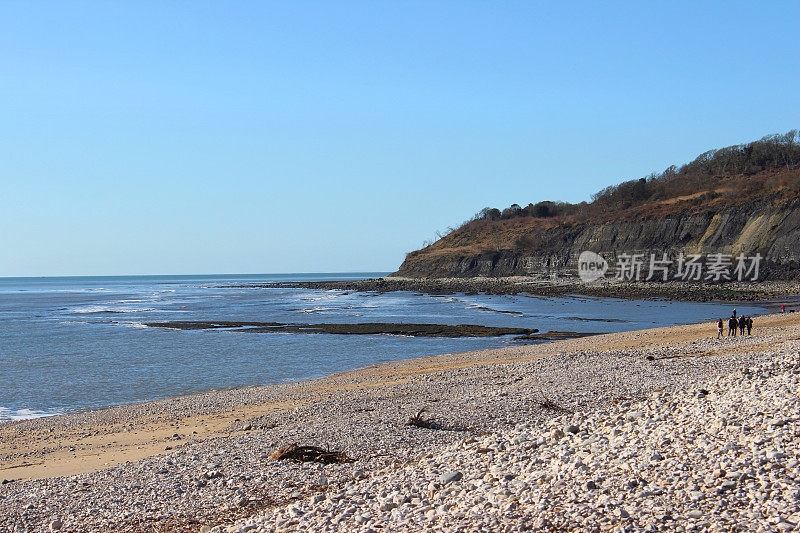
{"x": 741, "y": 324}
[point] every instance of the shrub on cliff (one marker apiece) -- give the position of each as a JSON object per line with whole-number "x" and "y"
{"x": 779, "y": 152}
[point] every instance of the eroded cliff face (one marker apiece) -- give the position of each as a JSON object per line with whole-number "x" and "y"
{"x": 770, "y": 230}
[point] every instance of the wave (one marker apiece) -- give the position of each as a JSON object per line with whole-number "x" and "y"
{"x": 136, "y": 325}
{"x": 485, "y": 309}
{"x": 98, "y": 309}
{"x": 320, "y": 308}
{"x": 11, "y": 415}
{"x": 326, "y": 296}
{"x": 52, "y": 291}
{"x": 314, "y": 309}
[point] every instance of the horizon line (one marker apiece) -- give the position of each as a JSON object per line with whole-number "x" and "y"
{"x": 187, "y": 275}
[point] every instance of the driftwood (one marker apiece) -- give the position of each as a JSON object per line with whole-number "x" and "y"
{"x": 547, "y": 403}
{"x": 418, "y": 421}
{"x": 309, "y": 454}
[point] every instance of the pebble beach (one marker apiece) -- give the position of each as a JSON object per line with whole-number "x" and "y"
{"x": 653, "y": 430}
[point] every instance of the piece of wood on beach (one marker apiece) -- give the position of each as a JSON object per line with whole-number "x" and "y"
{"x": 421, "y": 422}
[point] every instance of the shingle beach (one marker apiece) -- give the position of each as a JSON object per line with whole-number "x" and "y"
{"x": 654, "y": 430}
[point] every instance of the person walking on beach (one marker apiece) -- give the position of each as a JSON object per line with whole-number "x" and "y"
{"x": 720, "y": 328}
{"x": 742, "y": 324}
{"x": 732, "y": 324}
{"x": 783, "y": 308}
{"x": 749, "y": 324}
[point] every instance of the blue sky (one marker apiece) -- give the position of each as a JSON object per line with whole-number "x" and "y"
{"x": 243, "y": 137}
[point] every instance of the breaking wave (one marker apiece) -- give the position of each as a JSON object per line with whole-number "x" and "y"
{"x": 11, "y": 415}
{"x": 315, "y": 309}
{"x": 485, "y": 309}
{"x": 98, "y": 309}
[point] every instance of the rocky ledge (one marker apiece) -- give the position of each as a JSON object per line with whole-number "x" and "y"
{"x": 774, "y": 291}
{"x": 367, "y": 328}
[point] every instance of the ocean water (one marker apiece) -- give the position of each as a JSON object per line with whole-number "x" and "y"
{"x": 76, "y": 343}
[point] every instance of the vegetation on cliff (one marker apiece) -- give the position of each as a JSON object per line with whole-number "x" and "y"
{"x": 758, "y": 174}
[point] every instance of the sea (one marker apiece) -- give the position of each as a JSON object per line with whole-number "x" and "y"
{"x": 69, "y": 344}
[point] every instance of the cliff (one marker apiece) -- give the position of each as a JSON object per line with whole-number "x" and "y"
{"x": 697, "y": 209}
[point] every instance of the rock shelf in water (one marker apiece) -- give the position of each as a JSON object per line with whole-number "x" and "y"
{"x": 372, "y": 328}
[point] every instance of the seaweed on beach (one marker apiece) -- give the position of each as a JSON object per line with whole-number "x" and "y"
{"x": 309, "y": 454}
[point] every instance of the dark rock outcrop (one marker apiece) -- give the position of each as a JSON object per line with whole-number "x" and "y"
{"x": 772, "y": 230}
{"x": 371, "y": 328}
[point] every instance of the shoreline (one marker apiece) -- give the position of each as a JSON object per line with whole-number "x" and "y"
{"x": 764, "y": 291}
{"x": 522, "y": 335}
{"x": 361, "y": 411}
{"x": 547, "y": 337}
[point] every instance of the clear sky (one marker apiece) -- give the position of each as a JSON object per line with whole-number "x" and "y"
{"x": 243, "y": 137}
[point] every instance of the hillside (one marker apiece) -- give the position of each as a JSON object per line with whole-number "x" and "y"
{"x": 739, "y": 199}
